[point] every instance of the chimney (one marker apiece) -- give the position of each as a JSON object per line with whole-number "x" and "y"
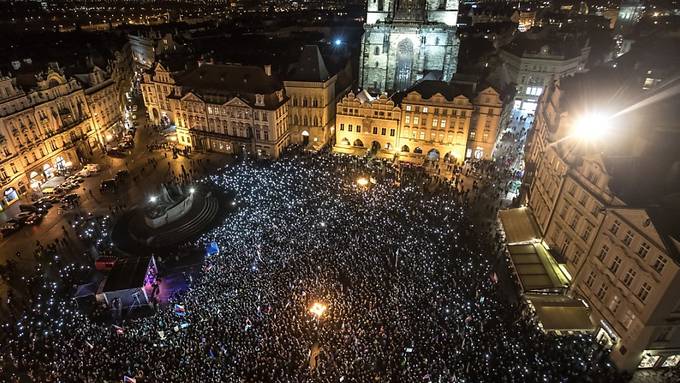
{"x": 268, "y": 69}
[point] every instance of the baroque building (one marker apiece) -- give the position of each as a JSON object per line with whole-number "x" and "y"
{"x": 407, "y": 40}
{"x": 608, "y": 211}
{"x": 432, "y": 121}
{"x": 43, "y": 131}
{"x": 222, "y": 108}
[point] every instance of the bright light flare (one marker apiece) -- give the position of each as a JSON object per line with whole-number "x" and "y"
{"x": 153, "y": 199}
{"x": 591, "y": 127}
{"x": 318, "y": 309}
{"x": 362, "y": 181}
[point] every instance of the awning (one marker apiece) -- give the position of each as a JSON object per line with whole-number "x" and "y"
{"x": 536, "y": 269}
{"x": 560, "y": 313}
{"x": 519, "y": 226}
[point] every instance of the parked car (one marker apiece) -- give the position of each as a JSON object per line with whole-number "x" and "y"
{"x": 9, "y": 228}
{"x": 28, "y": 207}
{"x": 93, "y": 168}
{"x": 108, "y": 185}
{"x": 70, "y": 198}
{"x": 29, "y": 218}
{"x": 75, "y": 179}
{"x": 83, "y": 173}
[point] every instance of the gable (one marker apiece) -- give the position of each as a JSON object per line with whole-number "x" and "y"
{"x": 237, "y": 102}
{"x": 191, "y": 97}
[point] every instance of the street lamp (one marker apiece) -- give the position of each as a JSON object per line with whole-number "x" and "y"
{"x": 318, "y": 309}
{"x": 591, "y": 127}
{"x": 362, "y": 181}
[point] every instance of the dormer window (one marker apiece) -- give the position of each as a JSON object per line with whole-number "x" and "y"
{"x": 259, "y": 100}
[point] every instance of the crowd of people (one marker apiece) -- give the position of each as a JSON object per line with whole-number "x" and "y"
{"x": 330, "y": 269}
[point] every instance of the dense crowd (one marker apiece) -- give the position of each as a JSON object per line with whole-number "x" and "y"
{"x": 405, "y": 278}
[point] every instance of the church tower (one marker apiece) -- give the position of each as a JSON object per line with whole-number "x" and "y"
{"x": 405, "y": 40}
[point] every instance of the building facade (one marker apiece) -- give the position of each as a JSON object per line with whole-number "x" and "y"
{"x": 43, "y": 132}
{"x": 311, "y": 89}
{"x": 407, "y": 40}
{"x": 223, "y": 108}
{"x": 102, "y": 96}
{"x": 618, "y": 241}
{"x": 533, "y": 65}
{"x": 432, "y": 121}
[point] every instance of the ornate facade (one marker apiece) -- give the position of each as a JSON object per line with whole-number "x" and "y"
{"x": 43, "y": 131}
{"x": 406, "y": 40}
{"x": 222, "y": 108}
{"x": 433, "y": 121}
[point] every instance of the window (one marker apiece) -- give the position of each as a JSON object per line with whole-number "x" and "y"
{"x": 643, "y": 293}
{"x": 614, "y": 304}
{"x": 574, "y": 221}
{"x": 442, "y": 123}
{"x": 572, "y": 189}
{"x": 595, "y": 210}
{"x": 434, "y": 122}
{"x": 375, "y": 130}
{"x": 393, "y": 132}
{"x": 422, "y": 135}
{"x": 577, "y": 256}
{"x": 603, "y": 253}
{"x": 564, "y": 212}
{"x": 615, "y": 265}
{"x": 602, "y": 291}
{"x": 342, "y": 126}
{"x": 629, "y": 277}
{"x": 358, "y": 128}
{"x": 407, "y": 119}
{"x": 583, "y": 199}
{"x": 415, "y": 120}
{"x": 660, "y": 264}
{"x": 425, "y": 110}
{"x": 628, "y": 238}
{"x": 586, "y": 232}
{"x": 376, "y": 51}
{"x": 628, "y": 319}
{"x": 408, "y": 108}
{"x": 424, "y": 121}
{"x": 615, "y": 227}
{"x": 591, "y": 279}
{"x": 383, "y": 131}
{"x": 643, "y": 250}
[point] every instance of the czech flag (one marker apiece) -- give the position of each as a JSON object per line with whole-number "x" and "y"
{"x": 180, "y": 311}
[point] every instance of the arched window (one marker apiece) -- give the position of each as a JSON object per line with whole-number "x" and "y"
{"x": 316, "y": 121}
{"x": 295, "y": 102}
{"x": 296, "y": 120}
{"x": 304, "y": 102}
{"x": 403, "y": 70}
{"x": 305, "y": 122}
{"x": 436, "y": 41}
{"x": 376, "y": 51}
{"x": 405, "y": 149}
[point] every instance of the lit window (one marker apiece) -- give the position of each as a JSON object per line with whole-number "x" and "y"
{"x": 415, "y": 120}
{"x": 407, "y": 119}
{"x": 671, "y": 361}
{"x": 425, "y": 110}
{"x": 408, "y": 108}
{"x": 628, "y": 319}
{"x": 649, "y": 361}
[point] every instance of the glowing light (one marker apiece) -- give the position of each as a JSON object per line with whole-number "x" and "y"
{"x": 153, "y": 199}
{"x": 192, "y": 190}
{"x": 591, "y": 127}
{"x": 318, "y": 309}
{"x": 338, "y": 42}
{"x": 362, "y": 181}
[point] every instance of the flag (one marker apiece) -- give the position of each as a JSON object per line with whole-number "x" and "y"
{"x": 127, "y": 379}
{"x": 180, "y": 310}
{"x": 119, "y": 330}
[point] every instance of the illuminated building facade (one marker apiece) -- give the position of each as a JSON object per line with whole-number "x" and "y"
{"x": 532, "y": 66}
{"x": 609, "y": 209}
{"x": 43, "y": 131}
{"x": 433, "y": 121}
{"x": 311, "y": 113}
{"x": 222, "y": 108}
{"x": 407, "y": 40}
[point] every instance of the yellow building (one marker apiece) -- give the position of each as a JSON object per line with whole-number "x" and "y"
{"x": 605, "y": 203}
{"x": 43, "y": 131}
{"x": 437, "y": 121}
{"x": 101, "y": 93}
{"x": 311, "y": 89}
{"x": 367, "y": 124}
